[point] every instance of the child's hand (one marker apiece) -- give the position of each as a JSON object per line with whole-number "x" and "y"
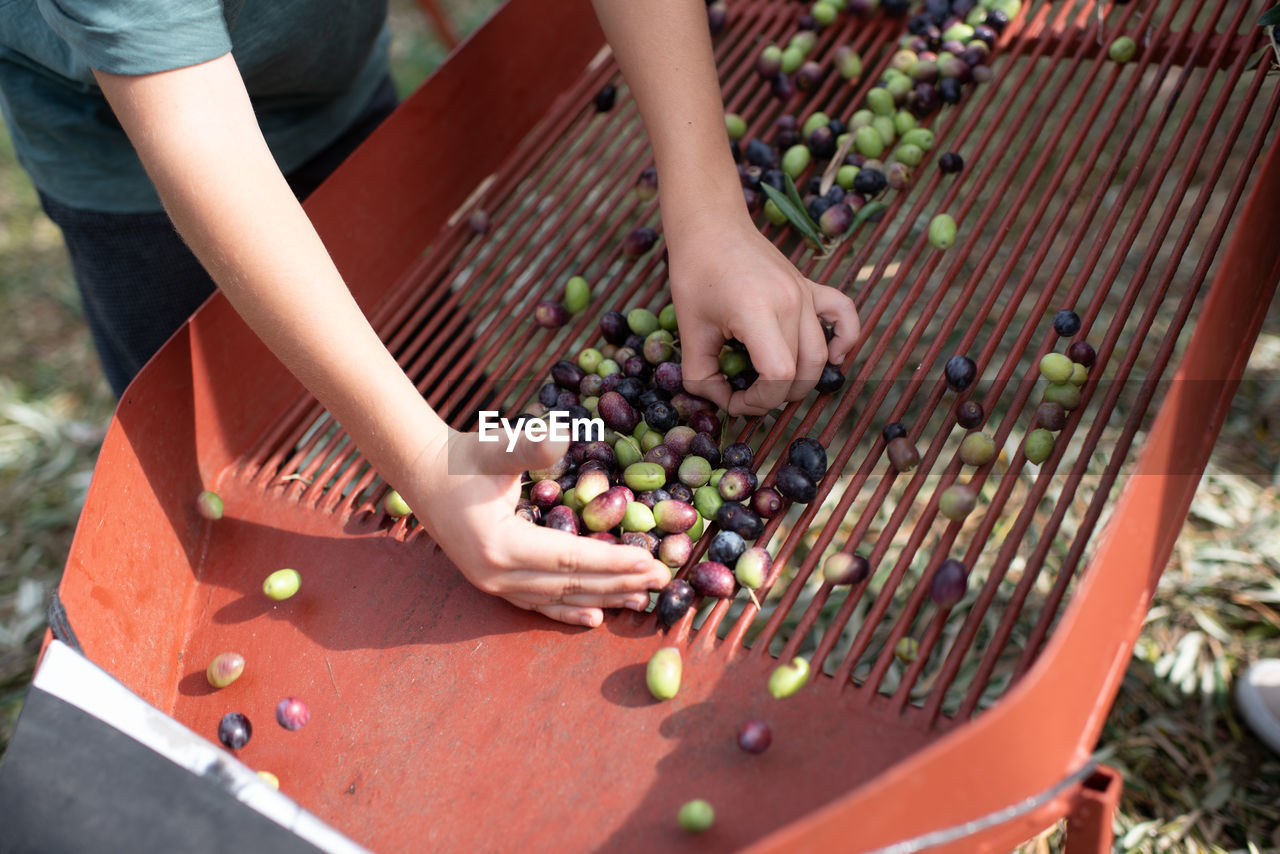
{"x": 465, "y": 492}
{"x": 729, "y": 281}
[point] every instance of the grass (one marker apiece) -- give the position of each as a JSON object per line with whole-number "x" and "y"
{"x": 1195, "y": 778}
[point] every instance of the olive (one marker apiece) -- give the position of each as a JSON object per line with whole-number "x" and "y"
{"x": 925, "y": 99}
{"x": 769, "y": 63}
{"x": 209, "y": 505}
{"x": 545, "y": 493}
{"x": 817, "y": 206}
{"x": 743, "y": 380}
{"x": 893, "y": 430}
{"x": 639, "y": 241}
{"x": 737, "y": 484}
{"x": 674, "y": 549}
{"x": 726, "y": 547}
{"x": 592, "y": 385}
{"x": 613, "y": 327}
{"x": 795, "y": 484}
{"x": 868, "y": 142}
{"x": 870, "y": 182}
{"x": 997, "y": 20}
{"x": 1067, "y": 394}
{"x": 906, "y": 650}
{"x": 604, "y": 537}
{"x": 708, "y": 501}
{"x": 282, "y": 584}
{"x": 775, "y": 178}
{"x": 1122, "y": 49}
{"x": 650, "y": 497}
{"x": 658, "y": 347}
{"x": 667, "y": 318}
{"x": 668, "y": 377}
{"x": 643, "y": 476}
{"x": 694, "y": 471}
{"x": 224, "y": 669}
{"x": 922, "y": 138}
{"x": 1066, "y": 323}
{"x": 1079, "y": 374}
{"x": 766, "y": 502}
{"x": 845, "y": 176}
{"x": 847, "y": 62}
{"x": 646, "y": 186}
{"x": 752, "y": 568}
{"x": 478, "y": 222}
{"x": 822, "y": 142}
{"x": 549, "y": 394}
{"x": 662, "y": 674}
{"x": 845, "y": 568}
{"x": 787, "y": 679}
{"x": 781, "y": 86}
{"x": 957, "y": 501}
{"x": 704, "y": 445}
{"x": 674, "y": 517}
{"x": 1051, "y": 415}
{"x": 1082, "y": 353}
{"x": 949, "y": 583}
{"x": 717, "y": 16}
{"x": 678, "y": 439}
{"x": 713, "y": 580}
{"x": 640, "y": 539}
{"x": 617, "y": 413}
{"x": 950, "y": 91}
{"x": 960, "y": 372}
{"x": 674, "y": 601}
{"x": 667, "y": 459}
{"x": 696, "y": 816}
{"x": 950, "y": 162}
{"x": 660, "y": 416}
{"x": 755, "y": 737}
{"x": 942, "y": 231}
{"x": 977, "y": 449}
{"x": 704, "y": 421}
{"x": 605, "y": 98}
{"x": 567, "y": 375}
{"x": 808, "y": 75}
{"x": 1055, "y": 367}
{"x": 680, "y": 492}
{"x": 969, "y": 414}
{"x": 735, "y": 125}
{"x": 810, "y": 456}
{"x": 903, "y": 455}
{"x": 835, "y": 221}
{"x": 1038, "y": 445}
{"x": 234, "y": 730}
{"x": 565, "y": 399}
{"x": 760, "y": 153}
{"x": 292, "y": 713}
{"x": 605, "y": 511}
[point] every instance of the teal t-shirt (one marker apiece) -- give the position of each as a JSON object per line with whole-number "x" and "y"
{"x": 310, "y": 67}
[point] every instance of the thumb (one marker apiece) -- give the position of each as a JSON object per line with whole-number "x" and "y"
{"x": 508, "y": 456}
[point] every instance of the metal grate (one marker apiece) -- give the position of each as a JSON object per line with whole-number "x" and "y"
{"x": 1100, "y": 186}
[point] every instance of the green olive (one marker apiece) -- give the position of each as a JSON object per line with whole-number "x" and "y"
{"x": 663, "y": 673}
{"x": 667, "y": 318}
{"x": 881, "y": 102}
{"x": 845, "y": 175}
{"x": 589, "y": 359}
{"x": 282, "y": 584}
{"x": 643, "y": 477}
{"x": 977, "y": 449}
{"x": 1122, "y": 49}
{"x": 209, "y": 505}
{"x": 860, "y": 119}
{"x": 922, "y": 137}
{"x": 1056, "y": 368}
{"x": 903, "y": 122}
{"x": 868, "y": 141}
{"x": 627, "y": 451}
{"x": 824, "y": 13}
{"x": 787, "y": 679}
{"x": 637, "y": 517}
{"x": 1038, "y": 445}
{"x": 577, "y": 294}
{"x": 395, "y": 505}
{"x": 795, "y": 160}
{"x": 697, "y": 816}
{"x": 792, "y": 58}
{"x": 707, "y": 500}
{"x": 884, "y": 126}
{"x": 942, "y": 231}
{"x": 815, "y": 121}
{"x": 641, "y": 321}
{"x": 909, "y": 154}
{"x": 735, "y": 125}
{"x": 774, "y": 214}
{"x": 1079, "y": 374}
{"x": 1066, "y": 394}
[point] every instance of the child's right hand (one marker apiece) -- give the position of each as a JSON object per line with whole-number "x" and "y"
{"x": 465, "y": 493}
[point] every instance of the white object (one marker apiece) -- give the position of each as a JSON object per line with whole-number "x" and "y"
{"x": 1258, "y": 697}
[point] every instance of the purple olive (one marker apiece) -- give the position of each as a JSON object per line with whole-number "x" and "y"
{"x": 834, "y": 222}
{"x": 717, "y": 16}
{"x": 630, "y": 388}
{"x": 686, "y": 404}
{"x": 658, "y": 348}
{"x": 960, "y": 372}
{"x": 528, "y": 512}
{"x": 762, "y": 154}
{"x": 1051, "y": 415}
{"x": 809, "y": 455}
{"x": 714, "y": 580}
{"x": 605, "y": 98}
{"x": 845, "y": 568}
{"x": 617, "y": 413}
{"x": 957, "y": 501}
{"x": 566, "y": 399}
{"x": 795, "y": 484}
{"x": 1066, "y": 323}
{"x": 292, "y": 713}
{"x": 639, "y": 241}
{"x": 949, "y": 583}
{"x": 637, "y": 368}
{"x": 969, "y": 414}
{"x": 674, "y": 601}
{"x": 675, "y": 549}
{"x": 668, "y": 377}
{"x": 738, "y": 484}
{"x": 613, "y": 327}
{"x": 680, "y": 492}
{"x": 705, "y": 446}
{"x": 567, "y": 375}
{"x": 769, "y": 63}
{"x": 550, "y": 315}
{"x": 808, "y": 76}
{"x": 782, "y": 87}
{"x": 604, "y": 537}
{"x": 737, "y": 455}
{"x": 766, "y": 502}
{"x": 832, "y": 377}
{"x": 903, "y": 455}
{"x": 660, "y": 416}
{"x": 647, "y": 184}
{"x": 740, "y": 520}
{"x": 665, "y": 457}
{"x": 755, "y": 737}
{"x": 893, "y": 430}
{"x": 606, "y": 510}
{"x": 674, "y": 516}
{"x": 479, "y": 222}
{"x": 545, "y": 493}
{"x": 679, "y": 439}
{"x": 704, "y": 421}
{"x": 650, "y": 497}
{"x": 1082, "y": 353}
{"x": 642, "y": 539}
{"x": 562, "y": 518}
{"x": 549, "y": 394}
{"x": 234, "y": 730}
{"x": 726, "y": 548}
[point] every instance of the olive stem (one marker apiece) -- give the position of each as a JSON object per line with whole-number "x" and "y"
{"x": 754, "y": 600}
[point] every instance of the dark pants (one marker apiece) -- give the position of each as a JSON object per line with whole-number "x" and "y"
{"x": 138, "y": 280}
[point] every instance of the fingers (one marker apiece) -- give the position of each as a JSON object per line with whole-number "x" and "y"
{"x": 811, "y": 357}
{"x": 700, "y": 365}
{"x": 573, "y": 615}
{"x": 630, "y": 601}
{"x": 548, "y": 566}
{"x": 774, "y": 360}
{"x": 502, "y": 457}
{"x": 837, "y": 309}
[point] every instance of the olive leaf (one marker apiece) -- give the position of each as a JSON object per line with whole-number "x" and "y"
{"x": 794, "y": 195}
{"x": 795, "y": 214}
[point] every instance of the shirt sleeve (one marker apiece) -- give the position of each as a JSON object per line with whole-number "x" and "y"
{"x": 132, "y": 37}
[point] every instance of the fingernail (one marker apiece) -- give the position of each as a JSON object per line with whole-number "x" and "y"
{"x": 589, "y": 621}
{"x": 638, "y": 604}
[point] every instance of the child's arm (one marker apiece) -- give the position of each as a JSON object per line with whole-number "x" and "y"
{"x": 727, "y": 280}
{"x": 196, "y": 133}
